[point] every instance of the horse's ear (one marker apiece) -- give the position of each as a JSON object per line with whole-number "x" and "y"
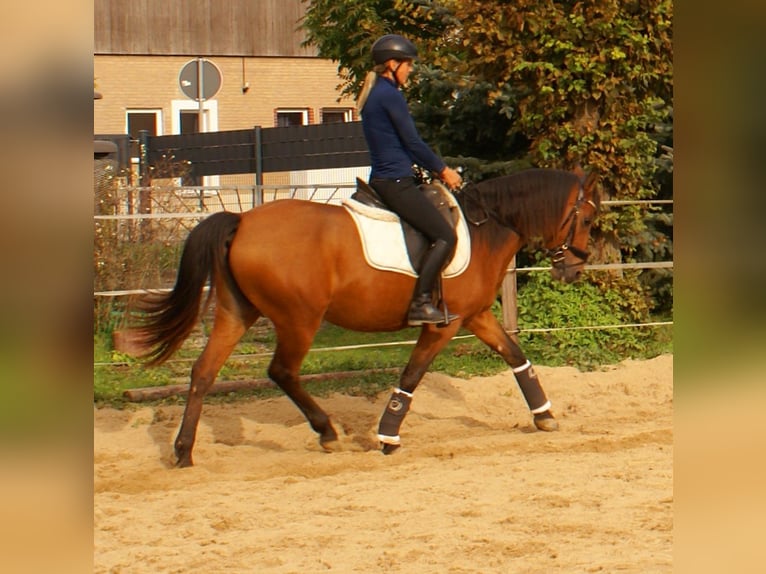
{"x": 590, "y": 181}
{"x": 591, "y": 191}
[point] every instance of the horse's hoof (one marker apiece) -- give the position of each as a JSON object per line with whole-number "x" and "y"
{"x": 331, "y": 445}
{"x": 389, "y": 448}
{"x": 183, "y": 456}
{"x": 330, "y": 441}
{"x": 546, "y": 422}
{"x": 184, "y": 462}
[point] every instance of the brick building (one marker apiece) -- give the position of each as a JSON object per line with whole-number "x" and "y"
{"x": 267, "y": 77}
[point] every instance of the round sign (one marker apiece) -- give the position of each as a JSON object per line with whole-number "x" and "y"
{"x": 200, "y": 79}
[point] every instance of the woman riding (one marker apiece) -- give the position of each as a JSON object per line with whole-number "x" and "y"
{"x": 395, "y": 145}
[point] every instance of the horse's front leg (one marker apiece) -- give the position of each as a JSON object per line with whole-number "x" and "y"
{"x": 430, "y": 342}
{"x": 486, "y": 327}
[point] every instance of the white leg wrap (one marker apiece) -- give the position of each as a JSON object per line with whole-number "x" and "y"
{"x": 522, "y": 368}
{"x": 385, "y": 439}
{"x": 541, "y": 409}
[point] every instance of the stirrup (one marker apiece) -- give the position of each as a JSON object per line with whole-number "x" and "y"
{"x": 422, "y": 312}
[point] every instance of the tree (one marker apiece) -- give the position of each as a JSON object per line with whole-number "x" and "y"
{"x": 583, "y": 82}
{"x": 533, "y": 82}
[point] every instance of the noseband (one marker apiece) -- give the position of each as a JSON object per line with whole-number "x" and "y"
{"x": 558, "y": 254}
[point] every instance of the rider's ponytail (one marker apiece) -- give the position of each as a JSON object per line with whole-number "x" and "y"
{"x": 369, "y": 82}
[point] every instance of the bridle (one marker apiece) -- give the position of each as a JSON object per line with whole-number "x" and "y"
{"x": 558, "y": 253}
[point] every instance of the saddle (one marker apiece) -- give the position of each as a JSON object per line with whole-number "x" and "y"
{"x": 416, "y": 243}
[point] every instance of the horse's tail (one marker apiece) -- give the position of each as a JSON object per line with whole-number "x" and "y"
{"x": 164, "y": 321}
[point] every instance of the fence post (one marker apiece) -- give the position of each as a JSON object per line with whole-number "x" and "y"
{"x": 145, "y": 194}
{"x": 258, "y": 150}
{"x": 508, "y": 297}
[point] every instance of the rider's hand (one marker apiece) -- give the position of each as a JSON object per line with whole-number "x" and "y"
{"x": 451, "y": 178}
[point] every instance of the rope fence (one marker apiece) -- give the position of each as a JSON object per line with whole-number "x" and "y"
{"x": 409, "y": 342}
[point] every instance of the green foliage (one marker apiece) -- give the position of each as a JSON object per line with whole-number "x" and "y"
{"x": 605, "y": 301}
{"x": 532, "y": 82}
{"x": 581, "y": 82}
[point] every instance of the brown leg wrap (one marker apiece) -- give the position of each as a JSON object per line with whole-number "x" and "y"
{"x": 396, "y": 409}
{"x": 531, "y": 389}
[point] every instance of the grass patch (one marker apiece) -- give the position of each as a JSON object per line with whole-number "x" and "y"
{"x": 115, "y": 373}
{"x": 464, "y": 357}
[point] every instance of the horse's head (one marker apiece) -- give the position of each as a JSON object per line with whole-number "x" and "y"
{"x": 571, "y": 241}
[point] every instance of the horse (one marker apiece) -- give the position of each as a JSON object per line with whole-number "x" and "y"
{"x": 300, "y": 263}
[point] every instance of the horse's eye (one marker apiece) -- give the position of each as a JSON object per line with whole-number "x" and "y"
{"x": 587, "y": 221}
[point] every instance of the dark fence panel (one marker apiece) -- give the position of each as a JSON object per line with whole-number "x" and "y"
{"x": 318, "y": 146}
{"x": 210, "y": 153}
{"x": 293, "y": 148}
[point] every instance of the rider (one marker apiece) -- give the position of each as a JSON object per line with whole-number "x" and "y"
{"x": 395, "y": 145}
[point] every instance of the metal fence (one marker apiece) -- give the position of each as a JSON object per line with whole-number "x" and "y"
{"x": 174, "y": 210}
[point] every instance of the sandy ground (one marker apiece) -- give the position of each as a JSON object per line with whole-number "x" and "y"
{"x": 474, "y": 489}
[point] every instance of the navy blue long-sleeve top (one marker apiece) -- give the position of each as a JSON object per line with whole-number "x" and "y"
{"x": 391, "y": 135}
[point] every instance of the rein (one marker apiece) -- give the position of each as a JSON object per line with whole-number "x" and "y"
{"x": 478, "y": 200}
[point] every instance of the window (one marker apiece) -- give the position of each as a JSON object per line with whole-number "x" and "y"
{"x": 184, "y": 116}
{"x": 189, "y": 122}
{"x": 185, "y": 119}
{"x": 138, "y": 120}
{"x": 337, "y": 115}
{"x": 286, "y": 118}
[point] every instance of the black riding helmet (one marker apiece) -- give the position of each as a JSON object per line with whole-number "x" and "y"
{"x": 393, "y": 46}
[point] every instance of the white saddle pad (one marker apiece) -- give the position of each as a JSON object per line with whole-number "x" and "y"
{"x": 383, "y": 240}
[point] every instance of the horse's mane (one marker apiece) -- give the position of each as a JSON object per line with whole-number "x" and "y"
{"x": 530, "y": 202}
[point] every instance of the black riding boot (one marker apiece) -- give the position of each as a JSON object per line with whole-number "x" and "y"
{"x": 422, "y": 309}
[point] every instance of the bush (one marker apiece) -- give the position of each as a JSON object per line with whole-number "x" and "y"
{"x": 601, "y": 302}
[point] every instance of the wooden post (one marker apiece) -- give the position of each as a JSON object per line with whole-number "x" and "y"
{"x": 155, "y": 393}
{"x": 508, "y": 295}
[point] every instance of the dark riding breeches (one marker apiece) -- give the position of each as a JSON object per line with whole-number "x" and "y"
{"x": 404, "y": 198}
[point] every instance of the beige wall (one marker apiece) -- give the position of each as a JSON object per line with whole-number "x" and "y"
{"x": 129, "y": 82}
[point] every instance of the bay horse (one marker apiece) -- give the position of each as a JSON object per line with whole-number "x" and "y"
{"x": 299, "y": 263}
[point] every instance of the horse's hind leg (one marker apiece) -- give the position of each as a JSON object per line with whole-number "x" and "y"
{"x": 486, "y": 327}
{"x": 228, "y": 329}
{"x": 293, "y": 344}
